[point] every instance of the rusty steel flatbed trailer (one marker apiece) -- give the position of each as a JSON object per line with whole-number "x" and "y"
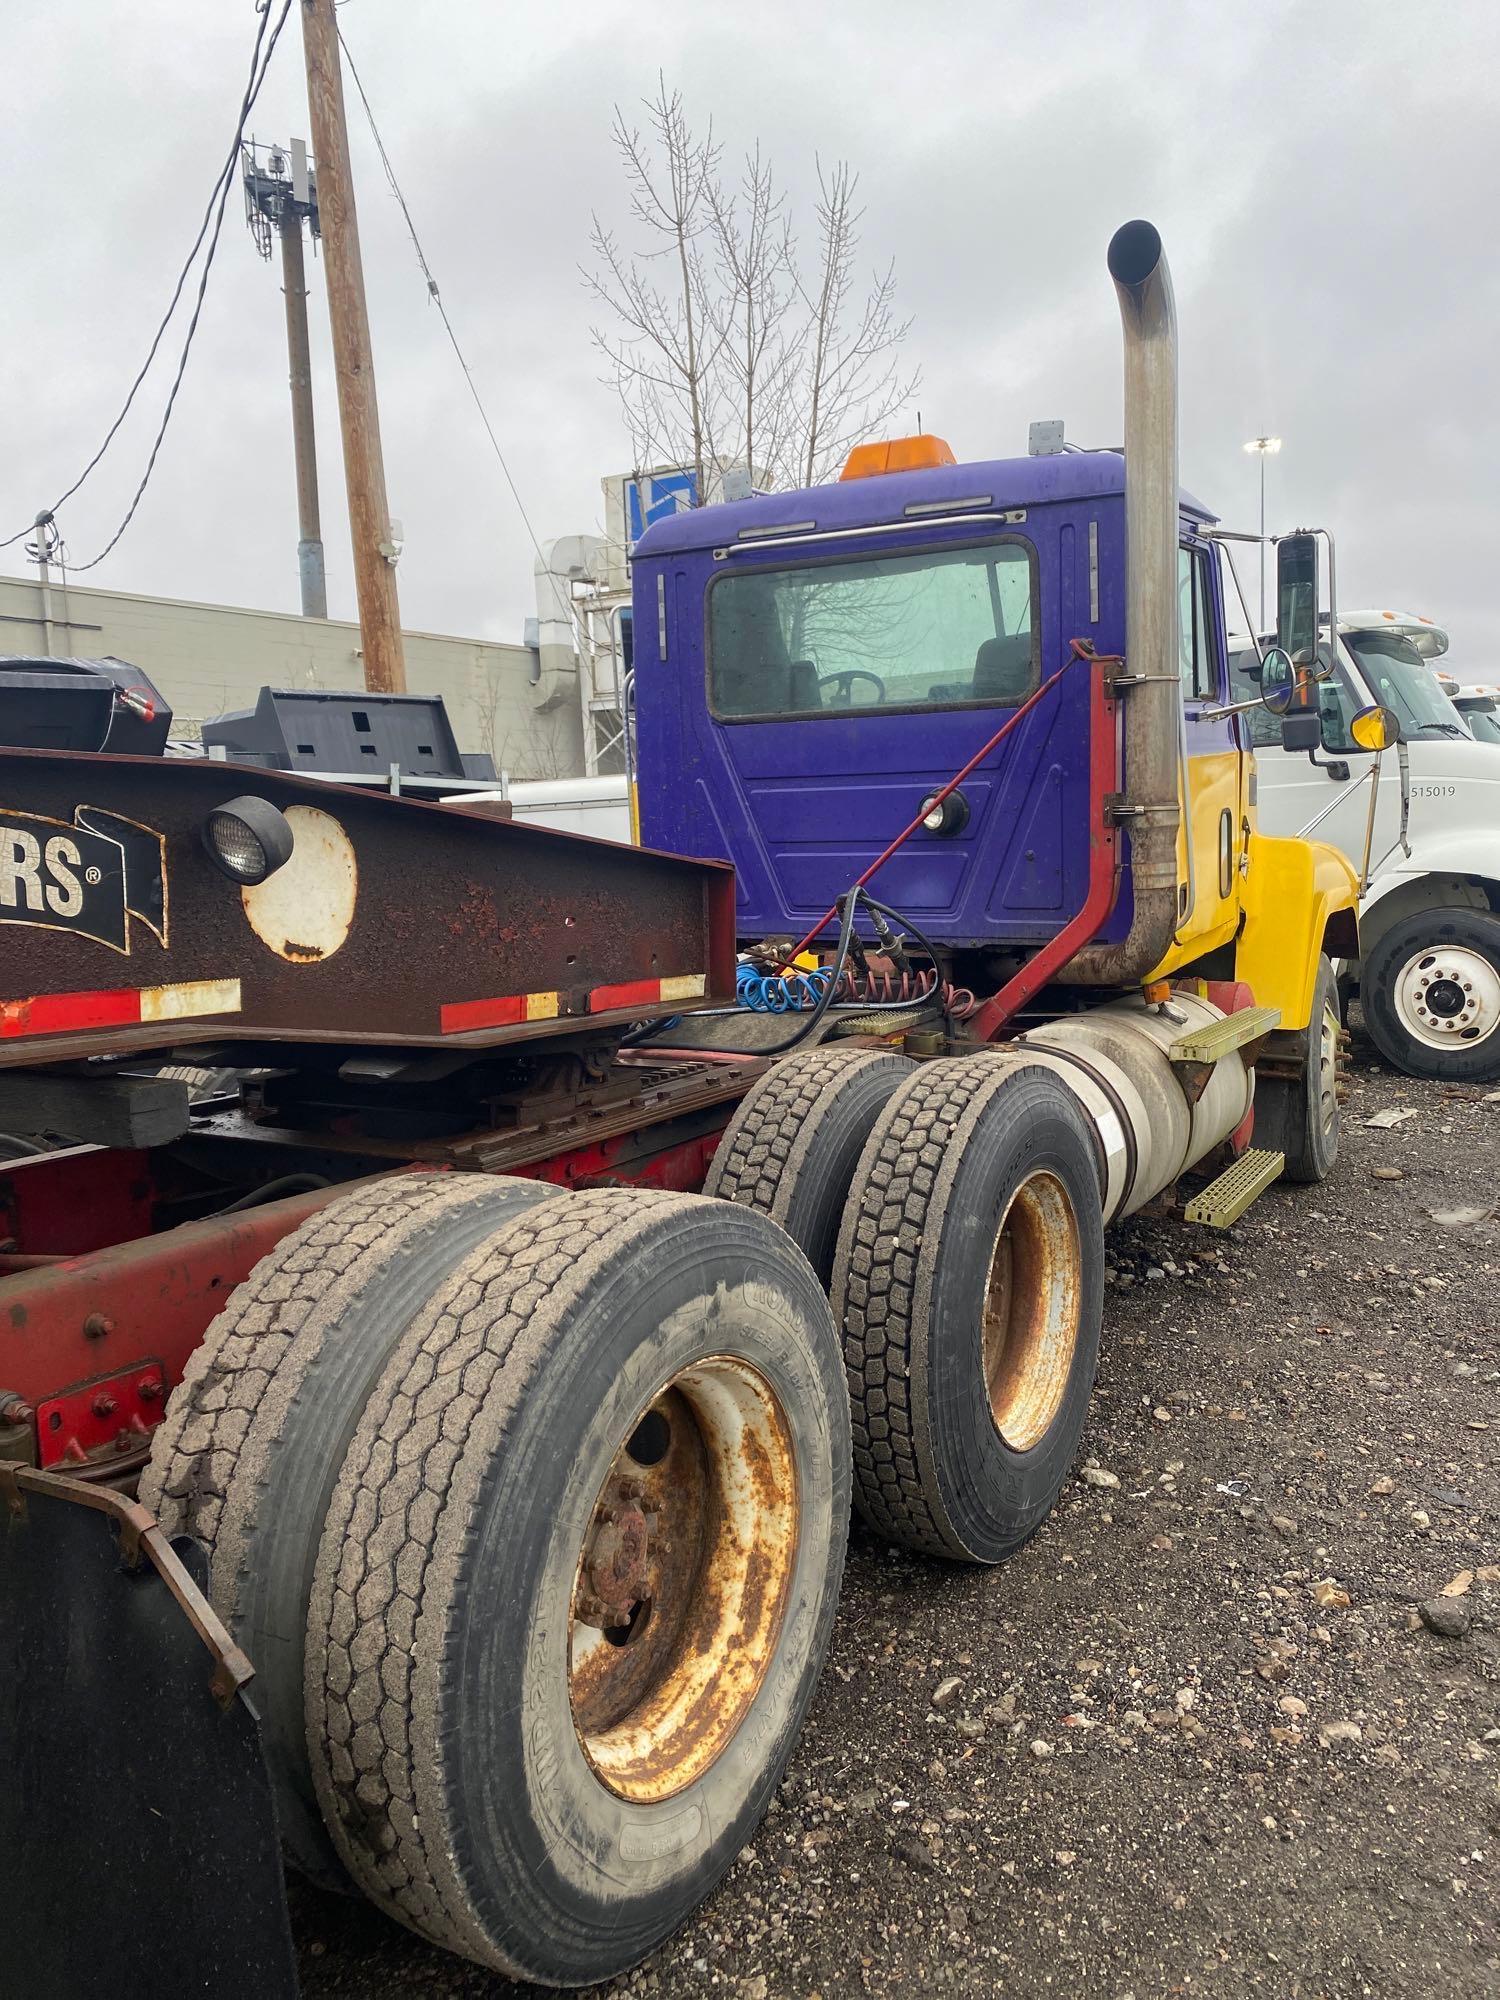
{"x": 394, "y": 922}
{"x": 418, "y": 988}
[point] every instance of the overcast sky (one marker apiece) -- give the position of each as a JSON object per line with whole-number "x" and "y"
{"x": 1324, "y": 177}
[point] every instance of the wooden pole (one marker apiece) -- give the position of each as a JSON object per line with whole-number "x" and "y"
{"x": 354, "y": 368}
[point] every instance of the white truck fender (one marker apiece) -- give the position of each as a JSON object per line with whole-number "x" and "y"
{"x": 1443, "y": 871}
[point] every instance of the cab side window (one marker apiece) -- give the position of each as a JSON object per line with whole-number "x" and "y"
{"x": 1336, "y": 709}
{"x": 1244, "y": 685}
{"x": 1194, "y": 628}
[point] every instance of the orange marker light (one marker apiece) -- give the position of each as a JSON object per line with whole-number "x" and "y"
{"x": 912, "y": 454}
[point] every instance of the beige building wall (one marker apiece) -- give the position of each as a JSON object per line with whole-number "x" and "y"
{"x": 208, "y": 658}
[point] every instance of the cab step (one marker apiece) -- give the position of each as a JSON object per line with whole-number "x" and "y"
{"x": 1225, "y": 1200}
{"x": 1221, "y": 1038}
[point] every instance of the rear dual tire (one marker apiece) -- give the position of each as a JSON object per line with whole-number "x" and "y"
{"x": 954, "y": 1210}
{"x": 248, "y": 1456}
{"x": 475, "y": 1782}
{"x": 497, "y": 1769}
{"x": 968, "y": 1283}
{"x": 794, "y": 1142}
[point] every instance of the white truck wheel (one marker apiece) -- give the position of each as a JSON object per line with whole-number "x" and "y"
{"x": 1431, "y": 990}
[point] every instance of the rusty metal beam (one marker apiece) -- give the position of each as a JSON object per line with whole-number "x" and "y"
{"x": 396, "y": 922}
{"x": 136, "y": 1303}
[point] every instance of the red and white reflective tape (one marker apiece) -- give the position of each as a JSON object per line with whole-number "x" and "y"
{"x": 459, "y": 1017}
{"x": 117, "y": 1007}
{"x": 647, "y": 992}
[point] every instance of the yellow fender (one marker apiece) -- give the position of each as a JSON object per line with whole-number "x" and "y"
{"x": 1300, "y": 899}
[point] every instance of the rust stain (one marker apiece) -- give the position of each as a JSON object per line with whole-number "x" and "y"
{"x": 301, "y": 954}
{"x": 1031, "y": 1311}
{"x": 658, "y": 1698}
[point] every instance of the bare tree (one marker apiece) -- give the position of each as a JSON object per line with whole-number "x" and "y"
{"x": 542, "y": 745}
{"x": 725, "y": 345}
{"x": 850, "y": 379}
{"x": 540, "y": 748}
{"x": 664, "y": 356}
{"x": 750, "y": 306}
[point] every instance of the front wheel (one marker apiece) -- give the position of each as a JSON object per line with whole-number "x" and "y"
{"x": 1298, "y": 1116}
{"x": 1431, "y": 989}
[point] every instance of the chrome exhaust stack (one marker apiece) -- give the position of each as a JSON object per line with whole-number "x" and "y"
{"x": 1143, "y": 284}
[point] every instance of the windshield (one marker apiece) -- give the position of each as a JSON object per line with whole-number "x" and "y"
{"x": 1484, "y": 723}
{"x": 939, "y": 629}
{"x": 1400, "y": 678}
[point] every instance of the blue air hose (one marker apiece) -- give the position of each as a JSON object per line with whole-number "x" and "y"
{"x": 786, "y": 993}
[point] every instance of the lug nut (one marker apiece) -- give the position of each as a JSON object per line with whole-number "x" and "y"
{"x": 97, "y": 1325}
{"x": 148, "y": 1388}
{"x": 16, "y": 1412}
{"x": 104, "y": 1405}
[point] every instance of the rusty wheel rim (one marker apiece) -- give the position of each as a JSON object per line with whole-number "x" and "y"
{"x": 1031, "y": 1310}
{"x": 682, "y": 1580}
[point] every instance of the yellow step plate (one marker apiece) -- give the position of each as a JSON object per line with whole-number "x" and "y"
{"x": 1225, "y": 1200}
{"x": 1222, "y": 1038}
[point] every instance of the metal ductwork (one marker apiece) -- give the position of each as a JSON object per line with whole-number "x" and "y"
{"x": 1143, "y": 285}
{"x": 559, "y": 565}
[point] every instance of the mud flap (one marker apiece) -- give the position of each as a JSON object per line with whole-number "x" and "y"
{"x": 137, "y": 1830}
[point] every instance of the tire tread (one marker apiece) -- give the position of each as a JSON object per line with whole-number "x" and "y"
{"x": 394, "y": 1544}
{"x": 223, "y": 1414}
{"x": 899, "y": 1196}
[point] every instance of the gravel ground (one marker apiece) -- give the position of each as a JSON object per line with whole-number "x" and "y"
{"x": 1217, "y": 1730}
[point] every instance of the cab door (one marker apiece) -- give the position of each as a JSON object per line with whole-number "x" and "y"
{"x": 1209, "y": 899}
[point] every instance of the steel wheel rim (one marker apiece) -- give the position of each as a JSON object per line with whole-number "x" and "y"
{"x": 1328, "y": 1068}
{"x": 1032, "y": 1304}
{"x": 1448, "y": 995}
{"x": 682, "y": 1579}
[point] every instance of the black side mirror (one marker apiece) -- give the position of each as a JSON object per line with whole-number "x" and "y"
{"x": 1302, "y": 731}
{"x": 1297, "y": 598}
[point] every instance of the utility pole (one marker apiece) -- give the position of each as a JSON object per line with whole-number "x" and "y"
{"x": 40, "y": 552}
{"x": 1263, "y": 447}
{"x": 354, "y": 368}
{"x": 281, "y": 200}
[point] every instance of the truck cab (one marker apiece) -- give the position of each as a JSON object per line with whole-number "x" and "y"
{"x": 812, "y": 666}
{"x": 1429, "y": 970}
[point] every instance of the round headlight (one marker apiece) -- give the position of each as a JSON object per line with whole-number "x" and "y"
{"x": 948, "y": 816}
{"x": 247, "y": 839}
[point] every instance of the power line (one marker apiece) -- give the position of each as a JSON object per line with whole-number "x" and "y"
{"x": 224, "y": 171}
{"x": 213, "y": 243}
{"x": 435, "y": 295}
{"x": 214, "y": 212}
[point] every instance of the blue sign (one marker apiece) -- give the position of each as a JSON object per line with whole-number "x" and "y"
{"x": 658, "y": 496}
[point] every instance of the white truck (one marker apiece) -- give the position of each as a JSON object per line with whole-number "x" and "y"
{"x": 1429, "y": 921}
